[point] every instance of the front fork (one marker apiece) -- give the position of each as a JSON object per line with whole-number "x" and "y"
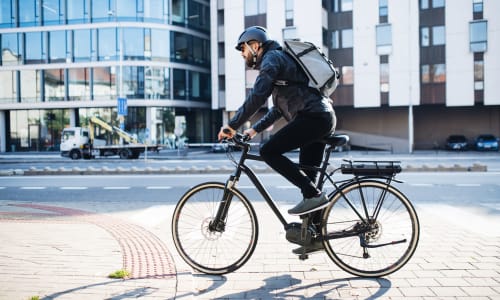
{"x": 218, "y": 224}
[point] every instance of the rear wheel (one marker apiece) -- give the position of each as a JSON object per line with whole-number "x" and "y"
{"x": 75, "y": 154}
{"x": 371, "y": 240}
{"x": 210, "y": 250}
{"x": 125, "y": 153}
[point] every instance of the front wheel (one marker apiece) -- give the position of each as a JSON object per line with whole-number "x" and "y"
{"x": 370, "y": 229}
{"x": 214, "y": 250}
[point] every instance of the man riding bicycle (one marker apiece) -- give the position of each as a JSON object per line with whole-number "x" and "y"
{"x": 309, "y": 114}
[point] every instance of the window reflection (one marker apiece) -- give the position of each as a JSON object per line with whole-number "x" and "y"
{"x": 179, "y": 84}
{"x": 81, "y": 45}
{"x": 54, "y": 85}
{"x": 11, "y": 54}
{"x": 34, "y": 42}
{"x": 78, "y": 11}
{"x": 57, "y": 46}
{"x": 199, "y": 86}
{"x": 8, "y": 86}
{"x": 52, "y": 13}
{"x": 30, "y": 86}
{"x": 178, "y": 11}
{"x": 126, "y": 10}
{"x": 157, "y": 85}
{"x": 104, "y": 87}
{"x": 160, "y": 44}
{"x": 79, "y": 84}
{"x": 133, "y": 43}
{"x": 478, "y": 36}
{"x": 28, "y": 12}
{"x": 106, "y": 39}
{"x": 133, "y": 82}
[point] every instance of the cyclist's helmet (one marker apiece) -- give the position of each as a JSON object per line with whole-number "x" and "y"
{"x": 254, "y": 33}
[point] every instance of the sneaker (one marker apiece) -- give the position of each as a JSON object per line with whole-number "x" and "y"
{"x": 309, "y": 205}
{"x": 315, "y": 246}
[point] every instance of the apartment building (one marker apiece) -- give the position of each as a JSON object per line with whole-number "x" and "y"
{"x": 413, "y": 72}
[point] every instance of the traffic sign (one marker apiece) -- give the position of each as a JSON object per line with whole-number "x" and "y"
{"x": 122, "y": 106}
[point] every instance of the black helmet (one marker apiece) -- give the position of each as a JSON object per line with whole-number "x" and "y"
{"x": 254, "y": 33}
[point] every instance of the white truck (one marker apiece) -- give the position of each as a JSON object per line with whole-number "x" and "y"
{"x": 80, "y": 142}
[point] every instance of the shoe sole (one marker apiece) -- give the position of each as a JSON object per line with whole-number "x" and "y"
{"x": 311, "y": 210}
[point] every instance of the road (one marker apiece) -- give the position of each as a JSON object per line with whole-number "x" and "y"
{"x": 468, "y": 189}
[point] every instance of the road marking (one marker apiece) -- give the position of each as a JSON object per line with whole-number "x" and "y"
{"x": 73, "y": 188}
{"x": 116, "y": 187}
{"x": 158, "y": 187}
{"x": 467, "y": 184}
{"x": 33, "y": 188}
{"x": 421, "y": 184}
{"x": 2, "y": 188}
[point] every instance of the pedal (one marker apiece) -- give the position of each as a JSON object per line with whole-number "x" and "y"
{"x": 303, "y": 256}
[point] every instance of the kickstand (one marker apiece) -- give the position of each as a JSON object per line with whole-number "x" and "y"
{"x": 303, "y": 237}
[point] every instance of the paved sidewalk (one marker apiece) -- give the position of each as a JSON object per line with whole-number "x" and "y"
{"x": 58, "y": 252}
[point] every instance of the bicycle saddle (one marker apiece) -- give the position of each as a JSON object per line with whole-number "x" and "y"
{"x": 336, "y": 139}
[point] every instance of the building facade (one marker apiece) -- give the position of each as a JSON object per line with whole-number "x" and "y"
{"x": 413, "y": 72}
{"x": 63, "y": 61}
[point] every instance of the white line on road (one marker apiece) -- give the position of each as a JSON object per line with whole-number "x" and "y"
{"x": 158, "y": 187}
{"x": 421, "y": 184}
{"x": 73, "y": 188}
{"x": 467, "y": 184}
{"x": 32, "y": 188}
{"x": 116, "y": 187}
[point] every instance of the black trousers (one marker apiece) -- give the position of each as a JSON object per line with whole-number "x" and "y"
{"x": 303, "y": 133}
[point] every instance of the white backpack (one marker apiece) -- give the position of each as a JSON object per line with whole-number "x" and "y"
{"x": 322, "y": 74}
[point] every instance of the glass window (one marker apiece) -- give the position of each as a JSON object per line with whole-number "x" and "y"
{"x": 133, "y": 82}
{"x": 437, "y": 3}
{"x": 54, "y": 85}
{"x": 478, "y": 36}
{"x": 181, "y": 46}
{"x": 438, "y": 35}
{"x": 346, "y": 5}
{"x": 57, "y": 46}
{"x": 101, "y": 11}
{"x": 179, "y": 84}
{"x": 81, "y": 45}
{"x": 178, "y": 11}
{"x": 382, "y": 8}
{"x": 478, "y": 70}
{"x": 424, "y": 4}
{"x": 126, "y": 10}
{"x": 198, "y": 15}
{"x": 439, "y": 73}
{"x": 200, "y": 86}
{"x": 335, "y": 40}
{"x": 160, "y": 44}
{"x": 255, "y": 7}
{"x": 53, "y": 12}
{"x": 34, "y": 46}
{"x": 156, "y": 83}
{"x": 6, "y": 14}
{"x": 106, "y": 43}
{"x": 78, "y": 11}
{"x": 347, "y": 41}
{"x": 424, "y": 37}
{"x": 347, "y": 75}
{"x": 30, "y": 86}
{"x": 133, "y": 45}
{"x": 425, "y": 73}
{"x": 104, "y": 83}
{"x": 384, "y": 39}
{"x": 8, "y": 92}
{"x": 477, "y": 6}
{"x": 79, "y": 84}
{"x": 201, "y": 51}
{"x": 154, "y": 10}
{"x": 11, "y": 54}
{"x": 384, "y": 78}
{"x": 28, "y": 12}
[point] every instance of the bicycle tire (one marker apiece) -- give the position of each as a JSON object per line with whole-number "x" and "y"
{"x": 208, "y": 251}
{"x": 396, "y": 221}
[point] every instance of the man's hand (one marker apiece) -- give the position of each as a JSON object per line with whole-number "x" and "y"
{"x": 250, "y": 132}
{"x": 226, "y": 132}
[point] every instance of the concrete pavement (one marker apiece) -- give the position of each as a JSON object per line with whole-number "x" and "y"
{"x": 58, "y": 252}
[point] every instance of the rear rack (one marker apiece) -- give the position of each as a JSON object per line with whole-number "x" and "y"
{"x": 371, "y": 168}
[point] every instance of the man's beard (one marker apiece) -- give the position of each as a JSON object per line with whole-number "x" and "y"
{"x": 249, "y": 61}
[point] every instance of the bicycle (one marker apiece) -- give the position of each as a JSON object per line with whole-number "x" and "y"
{"x": 369, "y": 229}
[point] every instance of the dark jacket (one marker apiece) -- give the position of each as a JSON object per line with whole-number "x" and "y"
{"x": 288, "y": 100}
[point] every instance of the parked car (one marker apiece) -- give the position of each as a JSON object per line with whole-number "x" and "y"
{"x": 486, "y": 142}
{"x": 457, "y": 142}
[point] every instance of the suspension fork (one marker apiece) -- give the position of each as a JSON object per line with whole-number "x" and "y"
{"x": 219, "y": 221}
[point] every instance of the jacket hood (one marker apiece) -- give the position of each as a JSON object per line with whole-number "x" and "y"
{"x": 268, "y": 46}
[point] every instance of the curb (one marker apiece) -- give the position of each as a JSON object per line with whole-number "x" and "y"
{"x": 476, "y": 167}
